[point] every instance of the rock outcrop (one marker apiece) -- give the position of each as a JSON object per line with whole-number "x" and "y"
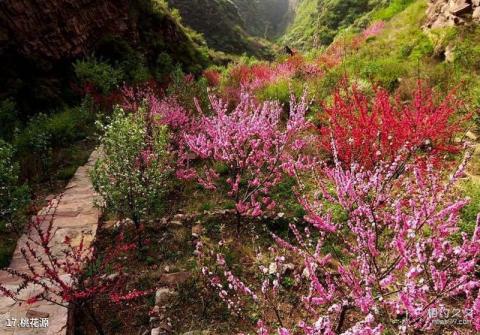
{"x": 39, "y": 40}
{"x": 63, "y": 28}
{"x": 449, "y": 13}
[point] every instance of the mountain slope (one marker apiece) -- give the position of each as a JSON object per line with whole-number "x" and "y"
{"x": 222, "y": 26}
{"x": 264, "y": 18}
{"x": 317, "y": 22}
{"x": 236, "y": 26}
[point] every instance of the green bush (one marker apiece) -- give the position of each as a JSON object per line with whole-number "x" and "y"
{"x": 34, "y": 147}
{"x": 100, "y": 74}
{"x": 467, "y": 55}
{"x": 14, "y": 197}
{"x": 281, "y": 91}
{"x": 8, "y": 119}
{"x": 395, "y": 7}
{"x": 133, "y": 175}
{"x": 163, "y": 67}
{"x": 386, "y": 72}
{"x": 186, "y": 88}
{"x": 45, "y": 134}
{"x": 469, "y": 213}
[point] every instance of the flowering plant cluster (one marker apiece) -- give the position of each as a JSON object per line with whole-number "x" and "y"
{"x": 253, "y": 146}
{"x": 339, "y": 49}
{"x": 367, "y": 130}
{"x": 252, "y": 78}
{"x": 133, "y": 175}
{"x": 398, "y": 252}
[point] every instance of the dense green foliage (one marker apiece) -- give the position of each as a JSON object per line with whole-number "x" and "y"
{"x": 317, "y": 22}
{"x": 132, "y": 175}
{"x": 14, "y": 196}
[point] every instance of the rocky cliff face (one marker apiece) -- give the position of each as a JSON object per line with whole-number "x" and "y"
{"x": 39, "y": 40}
{"x": 447, "y": 13}
{"x": 59, "y": 29}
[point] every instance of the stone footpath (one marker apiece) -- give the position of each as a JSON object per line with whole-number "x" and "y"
{"x": 75, "y": 215}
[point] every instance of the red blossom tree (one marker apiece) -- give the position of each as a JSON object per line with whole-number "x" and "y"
{"x": 367, "y": 130}
{"x": 70, "y": 273}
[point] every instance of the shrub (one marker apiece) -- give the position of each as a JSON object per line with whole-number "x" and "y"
{"x": 384, "y": 72}
{"x": 213, "y": 77}
{"x": 14, "y": 197}
{"x": 99, "y": 74}
{"x": 367, "y": 130}
{"x": 186, "y": 89}
{"x": 395, "y": 7}
{"x": 44, "y": 134}
{"x": 163, "y": 67}
{"x": 469, "y": 213}
{"x": 34, "y": 147}
{"x": 395, "y": 269}
{"x": 253, "y": 144}
{"x": 74, "y": 277}
{"x": 132, "y": 176}
{"x": 8, "y": 119}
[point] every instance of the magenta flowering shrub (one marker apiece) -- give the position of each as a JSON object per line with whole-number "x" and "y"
{"x": 398, "y": 254}
{"x": 254, "y": 146}
{"x": 374, "y": 29}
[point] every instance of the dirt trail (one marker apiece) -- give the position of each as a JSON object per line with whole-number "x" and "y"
{"x": 75, "y": 215}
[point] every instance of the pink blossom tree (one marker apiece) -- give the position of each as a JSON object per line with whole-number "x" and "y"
{"x": 253, "y": 143}
{"x": 399, "y": 263}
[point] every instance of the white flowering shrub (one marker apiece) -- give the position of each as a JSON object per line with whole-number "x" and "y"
{"x": 133, "y": 175}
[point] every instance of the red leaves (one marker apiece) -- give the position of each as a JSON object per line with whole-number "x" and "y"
{"x": 367, "y": 130}
{"x": 212, "y": 77}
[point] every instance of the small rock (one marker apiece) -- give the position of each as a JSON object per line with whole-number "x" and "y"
{"x": 162, "y": 295}
{"x": 272, "y": 268}
{"x": 166, "y": 268}
{"x": 305, "y": 273}
{"x": 476, "y": 13}
{"x": 449, "y": 54}
{"x": 288, "y": 267}
{"x": 109, "y": 224}
{"x": 178, "y": 216}
{"x": 280, "y": 215}
{"x": 173, "y": 279}
{"x": 197, "y": 230}
{"x": 155, "y": 331}
{"x": 471, "y": 136}
{"x": 49, "y": 197}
